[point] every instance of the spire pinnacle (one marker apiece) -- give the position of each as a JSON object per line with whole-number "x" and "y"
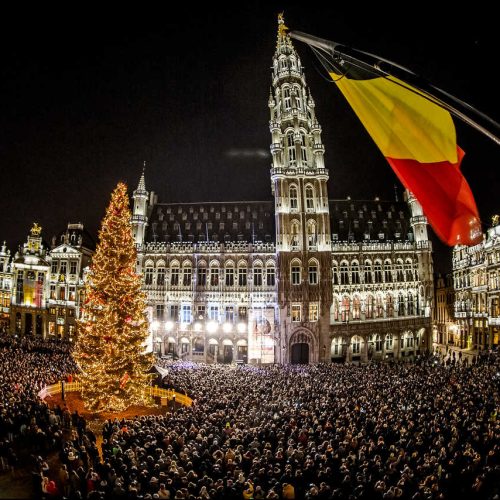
{"x": 282, "y": 30}
{"x": 142, "y": 181}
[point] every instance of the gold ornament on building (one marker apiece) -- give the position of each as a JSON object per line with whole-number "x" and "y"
{"x": 282, "y": 29}
{"x": 495, "y": 220}
{"x": 36, "y": 229}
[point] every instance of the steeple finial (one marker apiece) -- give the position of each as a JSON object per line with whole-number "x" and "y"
{"x": 282, "y": 29}
{"x": 142, "y": 181}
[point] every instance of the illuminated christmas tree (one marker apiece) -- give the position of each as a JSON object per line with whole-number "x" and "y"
{"x": 110, "y": 346}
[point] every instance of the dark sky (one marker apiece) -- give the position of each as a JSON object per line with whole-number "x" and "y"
{"x": 87, "y": 95}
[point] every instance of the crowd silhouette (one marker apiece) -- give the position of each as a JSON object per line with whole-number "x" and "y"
{"x": 427, "y": 429}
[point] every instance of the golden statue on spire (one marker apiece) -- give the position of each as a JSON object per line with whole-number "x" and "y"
{"x": 282, "y": 29}
{"x": 36, "y": 229}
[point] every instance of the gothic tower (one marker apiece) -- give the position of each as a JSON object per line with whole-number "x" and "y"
{"x": 299, "y": 184}
{"x": 140, "y": 211}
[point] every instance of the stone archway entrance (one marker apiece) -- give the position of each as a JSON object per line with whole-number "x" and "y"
{"x": 300, "y": 354}
{"x": 301, "y": 348}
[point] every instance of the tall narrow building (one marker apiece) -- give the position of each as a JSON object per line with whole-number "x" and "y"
{"x": 299, "y": 184}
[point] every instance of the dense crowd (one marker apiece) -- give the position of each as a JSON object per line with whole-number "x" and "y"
{"x": 413, "y": 430}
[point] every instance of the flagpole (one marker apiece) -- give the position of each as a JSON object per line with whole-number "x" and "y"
{"x": 337, "y": 49}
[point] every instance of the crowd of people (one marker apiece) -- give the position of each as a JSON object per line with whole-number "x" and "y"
{"x": 387, "y": 430}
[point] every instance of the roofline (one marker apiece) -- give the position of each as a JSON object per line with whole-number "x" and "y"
{"x": 212, "y": 202}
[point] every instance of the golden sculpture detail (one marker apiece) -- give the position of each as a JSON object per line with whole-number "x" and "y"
{"x": 495, "y": 220}
{"x": 282, "y": 29}
{"x": 36, "y": 229}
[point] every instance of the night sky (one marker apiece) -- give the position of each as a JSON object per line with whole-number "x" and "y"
{"x": 87, "y": 95}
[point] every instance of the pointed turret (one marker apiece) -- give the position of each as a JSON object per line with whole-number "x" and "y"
{"x": 140, "y": 210}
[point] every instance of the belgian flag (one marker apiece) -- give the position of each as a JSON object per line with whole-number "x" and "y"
{"x": 418, "y": 138}
{"x": 414, "y": 131}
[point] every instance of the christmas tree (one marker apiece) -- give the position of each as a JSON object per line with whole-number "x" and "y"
{"x": 110, "y": 346}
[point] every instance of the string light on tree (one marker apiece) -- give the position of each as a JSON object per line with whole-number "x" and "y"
{"x": 113, "y": 329}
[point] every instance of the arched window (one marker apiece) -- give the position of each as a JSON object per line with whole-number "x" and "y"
{"x": 355, "y": 273}
{"x": 186, "y": 274}
{"x": 270, "y": 275}
{"x": 294, "y": 236}
{"x": 335, "y": 273}
{"x": 388, "y": 271}
{"x": 295, "y": 272}
{"x": 378, "y": 271}
{"x": 229, "y": 274}
{"x": 378, "y": 343}
{"x": 298, "y": 97}
{"x": 294, "y": 198}
{"x": 356, "y": 308}
{"x": 313, "y": 272}
{"x": 290, "y": 146}
{"x": 399, "y": 271}
{"x": 257, "y": 274}
{"x": 174, "y": 273}
{"x": 368, "y": 272}
{"x": 303, "y": 149}
{"x": 283, "y": 63}
{"x": 336, "y": 349}
{"x": 202, "y": 274}
{"x": 148, "y": 275}
{"x": 346, "y": 307}
{"x": 389, "y": 341}
{"x": 369, "y": 307}
{"x": 160, "y": 276}
{"x": 287, "y": 100}
{"x": 242, "y": 274}
{"x": 344, "y": 273}
{"x": 309, "y": 197}
{"x": 389, "y": 304}
{"x": 411, "y": 306}
{"x": 379, "y": 309}
{"x": 312, "y": 237}
{"x": 401, "y": 305}
{"x": 214, "y": 273}
{"x": 356, "y": 344}
{"x": 408, "y": 270}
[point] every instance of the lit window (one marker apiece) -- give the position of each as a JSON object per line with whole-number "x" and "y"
{"x": 313, "y": 311}
{"x": 186, "y": 313}
{"x": 296, "y": 316}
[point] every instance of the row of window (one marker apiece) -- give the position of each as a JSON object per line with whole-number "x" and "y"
{"x": 376, "y": 340}
{"x": 378, "y": 273}
{"x": 312, "y": 316}
{"x": 215, "y": 312}
{"x": 62, "y": 293}
{"x": 213, "y": 276}
{"x": 375, "y": 307}
{"x": 61, "y": 267}
{"x": 293, "y": 194}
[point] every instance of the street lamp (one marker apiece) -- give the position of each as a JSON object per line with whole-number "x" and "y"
{"x": 227, "y": 327}
{"x": 242, "y": 327}
{"x": 212, "y": 327}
